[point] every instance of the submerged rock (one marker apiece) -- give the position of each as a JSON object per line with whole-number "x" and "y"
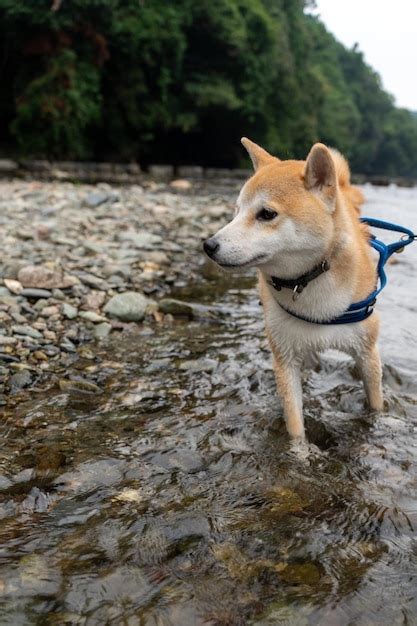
{"x": 176, "y": 307}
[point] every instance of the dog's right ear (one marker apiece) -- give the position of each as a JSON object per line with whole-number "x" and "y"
{"x": 258, "y": 155}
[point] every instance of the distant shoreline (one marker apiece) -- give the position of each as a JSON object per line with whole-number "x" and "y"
{"x": 131, "y": 173}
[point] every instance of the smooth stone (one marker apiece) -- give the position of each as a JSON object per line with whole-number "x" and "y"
{"x": 14, "y": 286}
{"x": 129, "y": 306}
{"x": 101, "y": 331}
{"x": 39, "y": 276}
{"x": 7, "y": 341}
{"x": 91, "y": 316}
{"x": 93, "y": 281}
{"x": 20, "y": 380}
{"x": 58, "y": 294}
{"x": 40, "y": 304}
{"x": 21, "y": 329}
{"x": 48, "y": 311}
{"x": 95, "y": 199}
{"x": 35, "y": 293}
{"x": 8, "y": 358}
{"x": 67, "y": 346}
{"x": 140, "y": 239}
{"x": 69, "y": 311}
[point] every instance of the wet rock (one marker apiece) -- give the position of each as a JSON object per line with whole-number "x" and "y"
{"x": 91, "y": 475}
{"x": 129, "y": 306}
{"x": 180, "y": 308}
{"x": 301, "y": 574}
{"x": 20, "y": 380}
{"x": 19, "y": 329}
{"x": 79, "y": 385}
{"x": 176, "y": 307}
{"x": 285, "y": 501}
{"x": 36, "y": 502}
{"x": 129, "y": 495}
{"x": 69, "y": 311}
{"x": 198, "y": 365}
{"x": 49, "y": 458}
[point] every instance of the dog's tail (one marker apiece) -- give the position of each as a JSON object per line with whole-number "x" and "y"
{"x": 353, "y": 194}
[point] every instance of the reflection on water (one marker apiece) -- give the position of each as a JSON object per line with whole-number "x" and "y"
{"x": 166, "y": 493}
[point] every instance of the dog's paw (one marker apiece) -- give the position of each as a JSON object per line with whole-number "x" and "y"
{"x": 305, "y": 451}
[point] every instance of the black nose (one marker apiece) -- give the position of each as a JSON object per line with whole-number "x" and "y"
{"x": 210, "y": 246}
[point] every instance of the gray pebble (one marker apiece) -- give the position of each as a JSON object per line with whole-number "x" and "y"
{"x": 20, "y": 329}
{"x": 129, "y": 306}
{"x": 69, "y": 311}
{"x": 30, "y": 292}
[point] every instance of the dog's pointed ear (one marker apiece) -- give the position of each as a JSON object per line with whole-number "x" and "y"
{"x": 320, "y": 175}
{"x": 258, "y": 155}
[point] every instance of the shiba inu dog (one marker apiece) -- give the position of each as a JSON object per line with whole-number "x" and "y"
{"x": 298, "y": 223}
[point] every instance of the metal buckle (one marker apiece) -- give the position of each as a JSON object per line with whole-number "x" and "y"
{"x": 296, "y": 292}
{"x": 370, "y": 307}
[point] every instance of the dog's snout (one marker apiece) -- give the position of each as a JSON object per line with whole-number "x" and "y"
{"x": 210, "y": 246}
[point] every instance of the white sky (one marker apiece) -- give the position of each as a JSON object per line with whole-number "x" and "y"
{"x": 386, "y": 32}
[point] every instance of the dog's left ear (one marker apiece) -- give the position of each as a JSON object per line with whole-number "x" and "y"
{"x": 320, "y": 175}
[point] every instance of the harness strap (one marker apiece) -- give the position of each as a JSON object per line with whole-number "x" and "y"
{"x": 359, "y": 311}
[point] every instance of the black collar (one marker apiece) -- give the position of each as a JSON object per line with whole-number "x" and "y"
{"x": 299, "y": 283}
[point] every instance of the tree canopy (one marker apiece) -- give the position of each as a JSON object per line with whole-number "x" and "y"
{"x": 180, "y": 82}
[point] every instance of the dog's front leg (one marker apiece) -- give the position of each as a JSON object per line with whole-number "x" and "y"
{"x": 288, "y": 379}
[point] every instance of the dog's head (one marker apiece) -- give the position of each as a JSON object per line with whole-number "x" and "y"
{"x": 284, "y": 214}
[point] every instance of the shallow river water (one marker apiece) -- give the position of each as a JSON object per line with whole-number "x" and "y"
{"x": 173, "y": 498}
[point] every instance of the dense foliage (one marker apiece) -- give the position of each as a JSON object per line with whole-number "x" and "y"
{"x": 180, "y": 82}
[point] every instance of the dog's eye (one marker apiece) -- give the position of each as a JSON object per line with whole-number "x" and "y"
{"x": 266, "y": 215}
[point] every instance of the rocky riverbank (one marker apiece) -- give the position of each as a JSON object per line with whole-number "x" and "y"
{"x": 79, "y": 262}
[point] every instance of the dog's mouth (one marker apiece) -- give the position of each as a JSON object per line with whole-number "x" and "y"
{"x": 255, "y": 259}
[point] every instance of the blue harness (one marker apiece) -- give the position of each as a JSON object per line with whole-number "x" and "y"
{"x": 359, "y": 311}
